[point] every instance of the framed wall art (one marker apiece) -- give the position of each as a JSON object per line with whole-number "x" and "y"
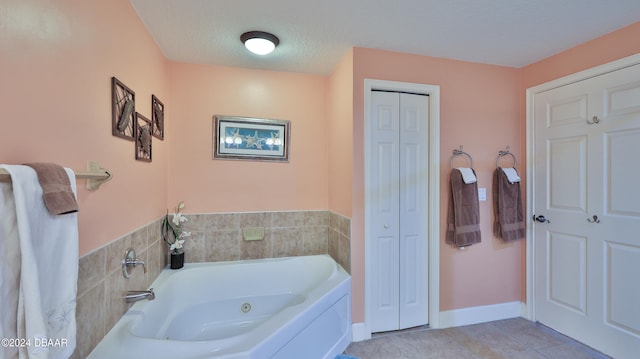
{"x": 143, "y": 138}
{"x": 123, "y": 110}
{"x": 157, "y": 117}
{"x": 245, "y": 138}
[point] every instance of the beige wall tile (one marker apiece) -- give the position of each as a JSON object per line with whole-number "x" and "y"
{"x": 91, "y": 270}
{"x": 90, "y": 327}
{"x": 222, "y": 246}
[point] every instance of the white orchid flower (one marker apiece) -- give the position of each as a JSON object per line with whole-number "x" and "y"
{"x": 178, "y": 218}
{"x": 184, "y": 234}
{"x": 177, "y": 244}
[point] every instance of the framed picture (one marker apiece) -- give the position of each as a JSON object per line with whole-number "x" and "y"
{"x": 244, "y": 138}
{"x": 143, "y": 138}
{"x": 123, "y": 110}
{"x": 157, "y": 117}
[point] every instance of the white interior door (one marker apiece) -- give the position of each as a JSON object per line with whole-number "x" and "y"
{"x": 587, "y": 247}
{"x": 398, "y": 207}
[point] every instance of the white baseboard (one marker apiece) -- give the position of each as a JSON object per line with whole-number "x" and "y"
{"x": 460, "y": 317}
{"x": 359, "y": 332}
{"x": 482, "y": 314}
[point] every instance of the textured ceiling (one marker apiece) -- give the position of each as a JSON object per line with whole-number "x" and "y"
{"x": 314, "y": 35}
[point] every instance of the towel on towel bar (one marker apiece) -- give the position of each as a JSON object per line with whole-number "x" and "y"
{"x": 9, "y": 269}
{"x": 508, "y": 215}
{"x": 463, "y": 218}
{"x": 48, "y": 260}
{"x": 512, "y": 174}
{"x": 468, "y": 176}
{"x": 56, "y": 188}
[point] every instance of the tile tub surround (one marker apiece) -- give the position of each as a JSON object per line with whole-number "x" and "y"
{"x": 101, "y": 285}
{"x": 218, "y": 236}
{"x": 340, "y": 240}
{"x": 214, "y": 237}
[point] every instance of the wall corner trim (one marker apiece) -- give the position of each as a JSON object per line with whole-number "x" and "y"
{"x": 359, "y": 332}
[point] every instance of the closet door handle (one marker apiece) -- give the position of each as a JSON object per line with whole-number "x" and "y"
{"x": 541, "y": 219}
{"x": 593, "y": 219}
{"x": 595, "y": 120}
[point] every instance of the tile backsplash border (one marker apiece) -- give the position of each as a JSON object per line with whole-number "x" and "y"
{"x": 214, "y": 237}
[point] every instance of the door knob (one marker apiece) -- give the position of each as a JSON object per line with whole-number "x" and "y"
{"x": 541, "y": 219}
{"x": 593, "y": 219}
{"x": 386, "y": 226}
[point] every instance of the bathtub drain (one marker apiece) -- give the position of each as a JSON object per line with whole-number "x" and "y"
{"x": 245, "y": 307}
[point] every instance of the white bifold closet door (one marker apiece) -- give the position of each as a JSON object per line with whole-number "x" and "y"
{"x": 586, "y": 185}
{"x": 398, "y": 152}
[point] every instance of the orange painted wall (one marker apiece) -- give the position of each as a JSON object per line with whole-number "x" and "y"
{"x": 56, "y": 63}
{"x": 340, "y": 126}
{"x": 198, "y": 92}
{"x": 607, "y": 48}
{"x": 479, "y": 110}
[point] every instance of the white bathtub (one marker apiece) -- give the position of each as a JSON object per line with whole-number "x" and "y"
{"x": 296, "y": 307}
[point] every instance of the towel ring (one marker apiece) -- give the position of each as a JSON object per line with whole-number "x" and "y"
{"x": 459, "y": 152}
{"x": 506, "y": 153}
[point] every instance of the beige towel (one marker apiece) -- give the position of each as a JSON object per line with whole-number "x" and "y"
{"x": 57, "y": 194}
{"x": 463, "y": 218}
{"x": 508, "y": 215}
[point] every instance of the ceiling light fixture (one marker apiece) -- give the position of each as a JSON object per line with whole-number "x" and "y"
{"x": 259, "y": 42}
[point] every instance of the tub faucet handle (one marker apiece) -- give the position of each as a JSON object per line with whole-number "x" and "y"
{"x": 130, "y": 261}
{"x": 138, "y": 262}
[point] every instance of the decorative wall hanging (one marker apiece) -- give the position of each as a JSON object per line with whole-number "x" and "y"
{"x": 123, "y": 110}
{"x": 157, "y": 117}
{"x": 143, "y": 138}
{"x": 247, "y": 138}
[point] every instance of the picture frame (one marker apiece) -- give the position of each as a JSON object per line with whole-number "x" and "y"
{"x": 157, "y": 117}
{"x": 143, "y": 138}
{"x": 123, "y": 110}
{"x": 247, "y": 138}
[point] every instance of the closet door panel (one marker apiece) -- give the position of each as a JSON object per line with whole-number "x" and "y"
{"x": 623, "y": 172}
{"x": 414, "y": 132}
{"x": 398, "y": 168}
{"x": 384, "y": 227}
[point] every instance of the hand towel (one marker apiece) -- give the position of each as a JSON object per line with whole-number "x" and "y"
{"x": 512, "y": 174}
{"x": 48, "y": 268}
{"x": 56, "y": 188}
{"x": 467, "y": 175}
{"x": 463, "y": 217}
{"x": 508, "y": 214}
{"x": 9, "y": 269}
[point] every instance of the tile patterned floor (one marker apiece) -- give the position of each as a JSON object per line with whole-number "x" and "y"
{"x": 510, "y": 338}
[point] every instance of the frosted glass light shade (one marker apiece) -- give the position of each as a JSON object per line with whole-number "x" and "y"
{"x": 259, "y": 42}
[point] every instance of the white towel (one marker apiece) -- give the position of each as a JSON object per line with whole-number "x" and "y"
{"x": 512, "y": 174}
{"x": 9, "y": 269}
{"x": 467, "y": 175}
{"x": 48, "y": 270}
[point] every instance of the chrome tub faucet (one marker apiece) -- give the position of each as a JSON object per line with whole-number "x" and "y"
{"x": 136, "y": 295}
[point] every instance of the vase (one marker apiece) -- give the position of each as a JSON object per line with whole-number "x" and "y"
{"x": 177, "y": 260}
